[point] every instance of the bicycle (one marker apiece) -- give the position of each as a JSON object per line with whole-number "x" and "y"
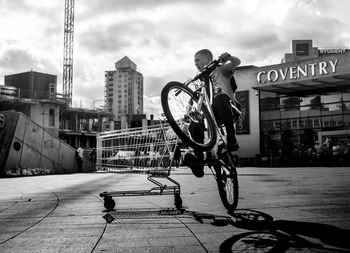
{"x": 183, "y": 106}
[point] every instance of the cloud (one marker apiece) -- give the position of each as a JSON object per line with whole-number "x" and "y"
{"x": 153, "y": 85}
{"x": 257, "y": 46}
{"x": 116, "y": 36}
{"x": 152, "y": 105}
{"x": 17, "y": 60}
{"x": 118, "y": 6}
{"x": 316, "y": 6}
{"x": 311, "y": 20}
{"x": 12, "y": 59}
{"x": 160, "y": 36}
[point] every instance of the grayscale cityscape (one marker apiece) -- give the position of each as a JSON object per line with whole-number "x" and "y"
{"x": 174, "y": 126}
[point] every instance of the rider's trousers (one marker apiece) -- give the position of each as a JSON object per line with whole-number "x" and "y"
{"x": 224, "y": 114}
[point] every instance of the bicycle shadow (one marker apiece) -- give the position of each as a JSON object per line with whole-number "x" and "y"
{"x": 264, "y": 233}
{"x": 269, "y": 235}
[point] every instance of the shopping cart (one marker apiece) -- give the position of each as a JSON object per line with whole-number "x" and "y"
{"x": 148, "y": 150}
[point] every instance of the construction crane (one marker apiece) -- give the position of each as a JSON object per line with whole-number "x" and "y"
{"x": 68, "y": 50}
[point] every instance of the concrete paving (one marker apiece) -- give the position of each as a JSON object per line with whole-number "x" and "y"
{"x": 310, "y": 208}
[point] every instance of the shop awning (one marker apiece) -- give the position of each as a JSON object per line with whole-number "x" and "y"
{"x": 317, "y": 75}
{"x": 329, "y": 84}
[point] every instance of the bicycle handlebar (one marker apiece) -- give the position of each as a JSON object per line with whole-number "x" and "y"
{"x": 206, "y": 71}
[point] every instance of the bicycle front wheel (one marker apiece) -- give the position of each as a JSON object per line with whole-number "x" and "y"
{"x": 227, "y": 181}
{"x": 194, "y": 127}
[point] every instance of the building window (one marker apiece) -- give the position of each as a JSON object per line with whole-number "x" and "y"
{"x": 51, "y": 117}
{"x": 302, "y": 49}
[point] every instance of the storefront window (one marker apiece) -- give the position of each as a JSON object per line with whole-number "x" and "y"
{"x": 334, "y": 108}
{"x": 291, "y": 113}
{"x": 307, "y": 139}
{"x": 346, "y": 102}
{"x": 305, "y": 123}
{"x": 286, "y": 124}
{"x": 275, "y": 144}
{"x": 333, "y": 122}
{"x": 346, "y": 107}
{"x": 291, "y": 126}
{"x": 269, "y": 125}
{"x": 346, "y": 96}
{"x": 311, "y": 101}
{"x": 265, "y": 94}
{"x": 290, "y": 103}
{"x": 310, "y": 106}
{"x": 291, "y": 141}
{"x": 332, "y": 98}
{"x": 270, "y": 115}
{"x": 271, "y": 144}
{"x": 346, "y": 121}
{"x": 308, "y": 111}
{"x": 268, "y": 101}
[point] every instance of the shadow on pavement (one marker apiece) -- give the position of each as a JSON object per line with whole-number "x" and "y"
{"x": 270, "y": 235}
{"x": 264, "y": 233}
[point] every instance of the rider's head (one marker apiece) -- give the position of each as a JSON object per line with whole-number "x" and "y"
{"x": 202, "y": 58}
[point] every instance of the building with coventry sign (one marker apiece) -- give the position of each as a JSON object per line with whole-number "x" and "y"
{"x": 296, "y": 112}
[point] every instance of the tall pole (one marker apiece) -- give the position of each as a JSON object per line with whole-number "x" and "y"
{"x": 68, "y": 50}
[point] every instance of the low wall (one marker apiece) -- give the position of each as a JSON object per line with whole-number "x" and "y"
{"x": 28, "y": 149}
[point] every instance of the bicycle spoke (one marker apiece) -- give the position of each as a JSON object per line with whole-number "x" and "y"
{"x": 227, "y": 183}
{"x": 195, "y": 128}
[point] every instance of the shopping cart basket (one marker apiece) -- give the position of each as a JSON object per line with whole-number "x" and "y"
{"x": 148, "y": 150}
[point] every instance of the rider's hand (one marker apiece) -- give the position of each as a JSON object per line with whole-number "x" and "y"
{"x": 224, "y": 57}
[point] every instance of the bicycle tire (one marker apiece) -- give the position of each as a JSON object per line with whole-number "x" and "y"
{"x": 261, "y": 241}
{"x": 227, "y": 182}
{"x": 175, "y": 97}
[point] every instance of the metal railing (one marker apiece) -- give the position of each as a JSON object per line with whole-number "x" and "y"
{"x": 14, "y": 93}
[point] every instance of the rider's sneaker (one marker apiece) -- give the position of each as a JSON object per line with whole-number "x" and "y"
{"x": 196, "y": 166}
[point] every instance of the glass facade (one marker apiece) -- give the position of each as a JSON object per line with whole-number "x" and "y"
{"x": 294, "y": 129}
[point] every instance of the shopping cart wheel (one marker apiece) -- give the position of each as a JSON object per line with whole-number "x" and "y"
{"x": 178, "y": 201}
{"x": 109, "y": 203}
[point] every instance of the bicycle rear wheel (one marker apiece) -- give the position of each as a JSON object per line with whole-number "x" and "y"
{"x": 195, "y": 128}
{"x": 227, "y": 181}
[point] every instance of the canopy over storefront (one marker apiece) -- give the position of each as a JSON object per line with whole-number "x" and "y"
{"x": 322, "y": 75}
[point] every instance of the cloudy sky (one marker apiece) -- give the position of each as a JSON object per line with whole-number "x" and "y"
{"x": 160, "y": 36}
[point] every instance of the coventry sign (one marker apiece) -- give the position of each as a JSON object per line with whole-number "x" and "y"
{"x": 297, "y": 72}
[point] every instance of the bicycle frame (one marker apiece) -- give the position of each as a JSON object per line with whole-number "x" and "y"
{"x": 203, "y": 96}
